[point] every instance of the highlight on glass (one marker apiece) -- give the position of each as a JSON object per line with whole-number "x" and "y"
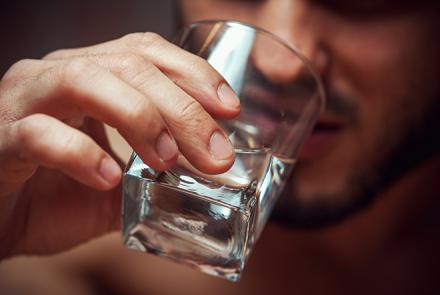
{"x": 212, "y": 222}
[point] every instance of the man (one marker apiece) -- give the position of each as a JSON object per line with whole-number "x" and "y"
{"x": 375, "y": 145}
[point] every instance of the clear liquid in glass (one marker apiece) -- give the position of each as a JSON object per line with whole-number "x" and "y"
{"x": 210, "y": 222}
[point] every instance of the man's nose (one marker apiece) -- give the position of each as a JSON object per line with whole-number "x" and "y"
{"x": 297, "y": 23}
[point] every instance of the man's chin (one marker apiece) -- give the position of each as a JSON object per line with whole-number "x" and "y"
{"x": 321, "y": 209}
{"x": 317, "y": 215}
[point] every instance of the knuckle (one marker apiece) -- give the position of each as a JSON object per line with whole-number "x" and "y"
{"x": 189, "y": 111}
{"x": 54, "y": 54}
{"x": 199, "y": 64}
{"x": 17, "y": 69}
{"x": 130, "y": 61}
{"x": 37, "y": 133}
{"x": 203, "y": 70}
{"x": 30, "y": 129}
{"x": 21, "y": 65}
{"x": 135, "y": 68}
{"x": 142, "y": 114}
{"x": 77, "y": 69}
{"x": 143, "y": 40}
{"x": 72, "y": 146}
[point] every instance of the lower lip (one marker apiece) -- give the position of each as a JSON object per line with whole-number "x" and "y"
{"x": 317, "y": 143}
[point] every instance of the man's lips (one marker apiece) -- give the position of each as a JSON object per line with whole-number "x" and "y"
{"x": 322, "y": 137}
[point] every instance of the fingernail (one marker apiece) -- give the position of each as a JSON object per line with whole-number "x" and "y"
{"x": 166, "y": 148}
{"x": 219, "y": 146}
{"x": 109, "y": 170}
{"x": 227, "y": 96}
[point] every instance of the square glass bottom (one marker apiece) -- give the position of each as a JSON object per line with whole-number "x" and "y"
{"x": 209, "y": 222}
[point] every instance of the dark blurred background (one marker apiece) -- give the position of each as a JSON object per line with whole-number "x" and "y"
{"x": 30, "y": 29}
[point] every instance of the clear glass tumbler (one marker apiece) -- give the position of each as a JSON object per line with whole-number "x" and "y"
{"x": 212, "y": 222}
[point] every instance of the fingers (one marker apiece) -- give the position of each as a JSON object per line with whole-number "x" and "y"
{"x": 190, "y": 72}
{"x": 43, "y": 140}
{"x": 156, "y": 121}
{"x": 78, "y": 85}
{"x": 199, "y": 137}
{"x": 177, "y": 93}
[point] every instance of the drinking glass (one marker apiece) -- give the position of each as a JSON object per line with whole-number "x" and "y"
{"x": 212, "y": 222}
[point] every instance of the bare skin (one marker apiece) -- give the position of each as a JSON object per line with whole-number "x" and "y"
{"x": 385, "y": 65}
{"x": 379, "y": 64}
{"x": 57, "y": 171}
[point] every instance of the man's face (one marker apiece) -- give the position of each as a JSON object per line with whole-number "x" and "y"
{"x": 379, "y": 61}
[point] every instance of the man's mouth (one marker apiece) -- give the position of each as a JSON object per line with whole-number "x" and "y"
{"x": 329, "y": 126}
{"x": 322, "y": 137}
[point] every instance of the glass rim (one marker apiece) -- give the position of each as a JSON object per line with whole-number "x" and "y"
{"x": 289, "y": 46}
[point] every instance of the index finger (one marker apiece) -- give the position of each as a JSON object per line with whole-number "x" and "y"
{"x": 189, "y": 71}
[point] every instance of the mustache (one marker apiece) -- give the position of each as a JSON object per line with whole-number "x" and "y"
{"x": 342, "y": 105}
{"x": 304, "y": 86}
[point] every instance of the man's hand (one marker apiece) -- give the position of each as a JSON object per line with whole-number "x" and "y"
{"x": 58, "y": 176}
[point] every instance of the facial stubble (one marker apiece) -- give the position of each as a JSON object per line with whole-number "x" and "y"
{"x": 405, "y": 143}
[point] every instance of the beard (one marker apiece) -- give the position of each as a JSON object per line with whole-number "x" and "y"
{"x": 408, "y": 141}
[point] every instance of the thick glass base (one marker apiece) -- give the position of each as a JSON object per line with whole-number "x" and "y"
{"x": 210, "y": 222}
